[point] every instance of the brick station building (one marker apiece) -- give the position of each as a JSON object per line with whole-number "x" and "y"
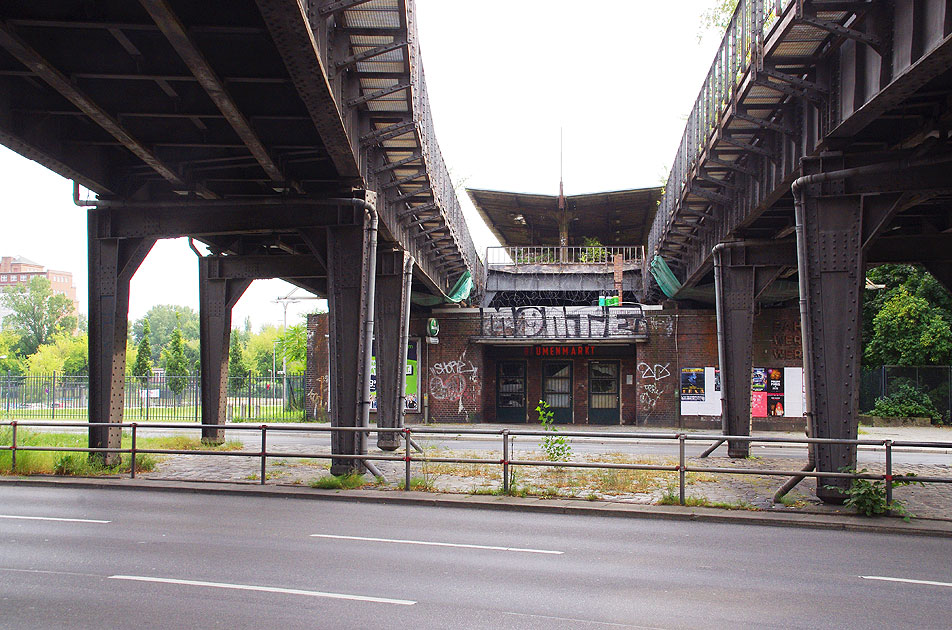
{"x": 539, "y": 333}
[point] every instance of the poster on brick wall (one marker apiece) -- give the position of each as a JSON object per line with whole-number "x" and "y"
{"x": 767, "y": 392}
{"x": 692, "y": 384}
{"x": 412, "y": 402}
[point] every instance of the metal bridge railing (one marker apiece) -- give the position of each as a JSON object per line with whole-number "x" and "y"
{"x": 504, "y": 461}
{"x": 444, "y": 193}
{"x": 556, "y": 255}
{"x": 741, "y": 47}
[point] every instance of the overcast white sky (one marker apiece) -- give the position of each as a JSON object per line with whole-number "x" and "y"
{"x": 619, "y": 77}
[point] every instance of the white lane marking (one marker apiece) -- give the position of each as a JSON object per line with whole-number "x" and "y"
{"x": 51, "y": 518}
{"x": 584, "y": 621}
{"x": 264, "y": 589}
{"x": 44, "y": 572}
{"x": 437, "y": 544}
{"x": 906, "y": 580}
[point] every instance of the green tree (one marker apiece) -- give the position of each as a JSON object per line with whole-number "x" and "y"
{"x": 717, "y": 17}
{"x": 36, "y": 313}
{"x": 175, "y": 362}
{"x": 11, "y": 362}
{"x": 260, "y": 350}
{"x": 916, "y": 282}
{"x": 163, "y": 319}
{"x": 237, "y": 366}
{"x": 293, "y": 345}
{"x": 143, "y": 364}
{"x": 64, "y": 355}
{"x": 909, "y": 331}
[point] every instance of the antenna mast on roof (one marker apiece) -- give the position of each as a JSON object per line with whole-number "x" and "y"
{"x": 563, "y": 217}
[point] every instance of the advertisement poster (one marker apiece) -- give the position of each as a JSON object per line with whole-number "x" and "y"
{"x": 692, "y": 383}
{"x": 775, "y": 405}
{"x": 412, "y": 404}
{"x": 717, "y": 380}
{"x": 774, "y": 381}
{"x": 758, "y": 379}
{"x": 758, "y": 404}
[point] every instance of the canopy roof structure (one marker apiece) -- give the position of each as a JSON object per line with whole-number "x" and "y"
{"x": 615, "y": 218}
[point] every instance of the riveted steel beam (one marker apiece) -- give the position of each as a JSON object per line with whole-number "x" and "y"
{"x": 713, "y": 162}
{"x": 68, "y": 90}
{"x": 404, "y": 180}
{"x": 217, "y": 298}
{"x": 838, "y": 29}
{"x": 330, "y": 8}
{"x": 763, "y": 123}
{"x": 392, "y": 165}
{"x": 353, "y": 60}
{"x": 371, "y": 96}
{"x": 297, "y": 44}
{"x": 181, "y": 41}
{"x": 386, "y": 133}
{"x": 748, "y": 147}
{"x": 413, "y": 193}
{"x": 426, "y": 207}
{"x": 710, "y": 195}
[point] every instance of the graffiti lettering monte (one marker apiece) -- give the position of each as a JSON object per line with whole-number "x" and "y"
{"x": 550, "y": 322}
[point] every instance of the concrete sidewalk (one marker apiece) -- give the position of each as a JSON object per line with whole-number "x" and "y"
{"x": 879, "y": 525}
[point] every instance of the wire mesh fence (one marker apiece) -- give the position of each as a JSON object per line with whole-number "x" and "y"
{"x": 156, "y": 399}
{"x": 935, "y": 381}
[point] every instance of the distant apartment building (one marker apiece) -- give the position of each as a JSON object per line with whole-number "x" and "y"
{"x": 19, "y": 270}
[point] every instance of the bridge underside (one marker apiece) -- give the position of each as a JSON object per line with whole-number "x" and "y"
{"x": 827, "y": 154}
{"x": 293, "y": 142}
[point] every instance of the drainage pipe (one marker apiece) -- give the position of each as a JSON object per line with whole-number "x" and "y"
{"x": 719, "y": 314}
{"x": 404, "y": 340}
{"x": 370, "y": 270}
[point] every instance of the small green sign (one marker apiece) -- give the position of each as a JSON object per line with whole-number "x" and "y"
{"x": 433, "y": 327}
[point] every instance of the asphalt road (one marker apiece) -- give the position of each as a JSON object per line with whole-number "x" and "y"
{"x": 184, "y": 560}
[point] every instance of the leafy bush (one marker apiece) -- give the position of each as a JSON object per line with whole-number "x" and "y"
{"x": 906, "y": 401}
{"x": 555, "y": 447}
{"x": 868, "y": 496}
{"x": 594, "y": 251}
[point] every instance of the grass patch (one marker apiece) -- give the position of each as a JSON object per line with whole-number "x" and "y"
{"x": 671, "y": 497}
{"x": 423, "y": 484}
{"x": 78, "y": 463}
{"x": 338, "y": 482}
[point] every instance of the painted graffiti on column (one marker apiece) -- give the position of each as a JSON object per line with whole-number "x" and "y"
{"x": 541, "y": 322}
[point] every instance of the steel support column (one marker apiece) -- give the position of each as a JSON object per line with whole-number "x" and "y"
{"x": 832, "y": 226}
{"x": 391, "y": 309}
{"x": 217, "y": 297}
{"x": 738, "y": 324}
{"x": 112, "y": 263}
{"x": 348, "y": 310}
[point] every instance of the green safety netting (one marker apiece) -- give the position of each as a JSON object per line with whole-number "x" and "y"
{"x": 779, "y": 291}
{"x": 457, "y": 294}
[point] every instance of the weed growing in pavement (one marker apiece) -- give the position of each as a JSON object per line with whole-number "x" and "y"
{"x": 556, "y": 447}
{"x": 338, "y": 482}
{"x": 671, "y": 496}
{"x": 868, "y": 496}
{"x": 418, "y": 483}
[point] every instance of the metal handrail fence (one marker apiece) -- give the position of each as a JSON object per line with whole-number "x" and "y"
{"x": 740, "y": 49}
{"x": 557, "y": 255}
{"x": 506, "y": 435}
{"x": 52, "y": 396}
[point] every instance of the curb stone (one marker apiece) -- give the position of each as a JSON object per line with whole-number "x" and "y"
{"x": 881, "y": 525}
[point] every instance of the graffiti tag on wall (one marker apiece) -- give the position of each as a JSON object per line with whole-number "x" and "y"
{"x": 541, "y": 322}
{"x": 650, "y": 384}
{"x": 454, "y": 381}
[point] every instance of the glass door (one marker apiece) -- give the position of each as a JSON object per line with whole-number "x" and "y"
{"x": 557, "y": 389}
{"x": 603, "y": 400}
{"x": 511, "y": 391}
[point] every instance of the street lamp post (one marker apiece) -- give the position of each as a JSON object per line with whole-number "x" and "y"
{"x": 284, "y": 301}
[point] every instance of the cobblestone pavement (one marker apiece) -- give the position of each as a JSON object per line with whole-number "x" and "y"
{"x": 747, "y": 491}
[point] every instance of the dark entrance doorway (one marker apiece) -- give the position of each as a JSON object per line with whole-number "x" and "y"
{"x": 511, "y": 391}
{"x": 603, "y": 400}
{"x": 557, "y": 389}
